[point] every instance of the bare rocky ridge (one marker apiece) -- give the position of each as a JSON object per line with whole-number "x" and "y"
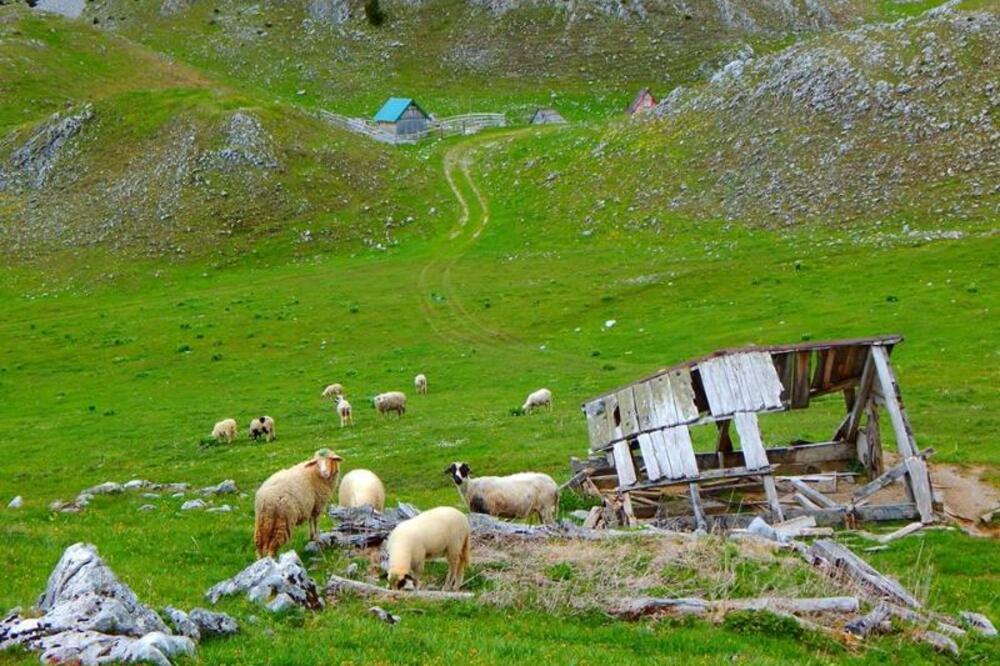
{"x": 850, "y": 123}
{"x": 32, "y": 162}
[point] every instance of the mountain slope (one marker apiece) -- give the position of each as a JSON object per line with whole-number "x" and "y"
{"x": 892, "y": 123}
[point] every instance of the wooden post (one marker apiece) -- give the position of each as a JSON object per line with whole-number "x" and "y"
{"x": 848, "y": 431}
{"x": 696, "y": 508}
{"x": 894, "y": 402}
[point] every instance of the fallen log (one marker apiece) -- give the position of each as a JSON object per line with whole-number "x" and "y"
{"x": 632, "y": 609}
{"x": 837, "y": 559}
{"x": 337, "y": 585}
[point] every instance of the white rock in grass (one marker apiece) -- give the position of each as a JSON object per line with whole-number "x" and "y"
{"x": 213, "y": 624}
{"x": 280, "y": 603}
{"x": 193, "y": 504}
{"x": 978, "y": 622}
{"x": 610, "y": 323}
{"x": 224, "y": 487}
{"x": 16, "y": 503}
{"x": 136, "y": 484}
{"x": 225, "y": 508}
{"x": 267, "y": 578}
{"x": 147, "y": 507}
{"x": 183, "y": 624}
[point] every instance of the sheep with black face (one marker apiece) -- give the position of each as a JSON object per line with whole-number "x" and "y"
{"x": 262, "y": 426}
{"x": 515, "y": 496}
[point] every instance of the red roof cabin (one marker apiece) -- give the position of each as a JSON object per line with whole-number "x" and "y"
{"x": 644, "y": 101}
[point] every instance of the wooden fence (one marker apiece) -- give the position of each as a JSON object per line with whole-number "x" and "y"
{"x": 469, "y": 123}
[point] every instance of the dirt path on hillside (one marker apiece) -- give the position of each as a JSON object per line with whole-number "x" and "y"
{"x": 966, "y": 496}
{"x": 441, "y": 303}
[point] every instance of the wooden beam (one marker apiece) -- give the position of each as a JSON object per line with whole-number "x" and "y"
{"x": 709, "y": 475}
{"x": 814, "y": 495}
{"x": 805, "y": 502}
{"x": 837, "y": 559}
{"x": 894, "y": 402}
{"x": 338, "y": 585}
{"x": 885, "y": 479}
{"x": 920, "y": 486}
{"x": 867, "y": 624}
{"x": 632, "y": 609}
{"x": 849, "y": 430}
{"x": 696, "y": 509}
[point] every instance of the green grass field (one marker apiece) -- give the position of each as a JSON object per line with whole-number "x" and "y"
{"x": 115, "y": 365}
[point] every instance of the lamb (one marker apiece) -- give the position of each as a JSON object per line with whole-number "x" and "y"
{"x": 393, "y": 401}
{"x": 290, "y": 497}
{"x": 344, "y": 410}
{"x": 262, "y": 426}
{"x": 332, "y": 390}
{"x": 540, "y": 398}
{"x": 360, "y": 487}
{"x": 441, "y": 532}
{"x": 514, "y": 496}
{"x": 225, "y": 429}
{"x": 420, "y": 383}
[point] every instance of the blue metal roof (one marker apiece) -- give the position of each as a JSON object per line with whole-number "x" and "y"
{"x": 393, "y": 109}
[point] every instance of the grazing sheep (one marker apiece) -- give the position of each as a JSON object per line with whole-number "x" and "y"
{"x": 292, "y": 496}
{"x": 332, "y": 390}
{"x": 225, "y": 429}
{"x": 514, "y": 496}
{"x": 540, "y": 398}
{"x": 441, "y": 532}
{"x": 360, "y": 487}
{"x": 262, "y": 426}
{"x": 344, "y": 409}
{"x": 420, "y": 383}
{"x": 393, "y": 401}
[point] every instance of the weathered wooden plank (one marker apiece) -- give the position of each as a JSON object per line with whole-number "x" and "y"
{"x": 768, "y": 380}
{"x": 629, "y": 420}
{"x": 894, "y": 402}
{"x": 710, "y": 475}
{"x": 754, "y": 454}
{"x": 849, "y": 433}
{"x": 920, "y": 486}
{"x": 663, "y": 460}
{"x": 886, "y": 478}
{"x": 681, "y": 451}
{"x": 599, "y": 425}
{"x": 814, "y": 495}
{"x": 718, "y": 388}
{"x": 800, "y": 383}
{"x": 784, "y": 367}
{"x": 839, "y": 559}
{"x": 863, "y": 626}
{"x": 644, "y": 406}
{"x": 697, "y": 511}
{"x": 805, "y": 502}
{"x": 772, "y": 498}
{"x": 653, "y": 471}
{"x": 624, "y": 465}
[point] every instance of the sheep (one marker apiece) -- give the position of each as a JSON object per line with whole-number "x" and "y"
{"x": 420, "y": 383}
{"x": 360, "y": 487}
{"x": 225, "y": 429}
{"x": 393, "y": 401}
{"x": 332, "y": 390}
{"x": 441, "y": 532}
{"x": 344, "y": 410}
{"x": 290, "y": 497}
{"x": 262, "y": 426}
{"x": 540, "y": 398}
{"x": 514, "y": 496}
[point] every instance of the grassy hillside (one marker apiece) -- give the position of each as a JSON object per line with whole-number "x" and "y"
{"x": 458, "y": 56}
{"x": 109, "y": 144}
{"x": 524, "y": 244}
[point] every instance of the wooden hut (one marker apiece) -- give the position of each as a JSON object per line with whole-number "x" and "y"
{"x": 644, "y": 101}
{"x": 641, "y": 435}
{"x": 402, "y": 116}
{"x": 547, "y": 116}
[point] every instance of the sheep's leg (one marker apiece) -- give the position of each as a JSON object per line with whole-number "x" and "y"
{"x": 313, "y": 529}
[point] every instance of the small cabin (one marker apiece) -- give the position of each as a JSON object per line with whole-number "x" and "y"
{"x": 644, "y": 101}
{"x": 402, "y": 116}
{"x": 547, "y": 116}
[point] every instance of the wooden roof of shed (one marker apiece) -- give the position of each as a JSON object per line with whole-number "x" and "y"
{"x": 888, "y": 340}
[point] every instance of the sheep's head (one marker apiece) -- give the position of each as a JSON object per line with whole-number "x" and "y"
{"x": 401, "y": 580}
{"x": 327, "y": 463}
{"x": 459, "y": 472}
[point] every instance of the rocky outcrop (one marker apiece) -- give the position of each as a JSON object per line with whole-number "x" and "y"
{"x": 277, "y": 583}
{"x": 334, "y": 12}
{"x": 86, "y": 615}
{"x": 246, "y": 144}
{"x": 30, "y": 164}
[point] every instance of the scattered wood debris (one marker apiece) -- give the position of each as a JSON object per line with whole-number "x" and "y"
{"x": 338, "y": 585}
{"x": 384, "y": 615}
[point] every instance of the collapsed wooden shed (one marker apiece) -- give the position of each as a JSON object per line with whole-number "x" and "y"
{"x": 640, "y": 434}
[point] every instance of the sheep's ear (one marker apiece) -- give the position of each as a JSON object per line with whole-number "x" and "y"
{"x": 336, "y": 457}
{"x": 464, "y": 469}
{"x": 311, "y": 463}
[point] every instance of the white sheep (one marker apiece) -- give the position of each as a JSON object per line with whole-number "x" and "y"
{"x": 539, "y": 398}
{"x": 420, "y": 383}
{"x": 290, "y": 497}
{"x": 225, "y": 429}
{"x": 514, "y": 496}
{"x": 262, "y": 426}
{"x": 332, "y": 390}
{"x": 344, "y": 410}
{"x": 393, "y": 401}
{"x": 360, "y": 487}
{"x": 441, "y": 532}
